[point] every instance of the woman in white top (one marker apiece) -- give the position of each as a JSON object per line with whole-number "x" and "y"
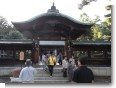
{"x": 43, "y": 59}
{"x": 65, "y": 66}
{"x": 72, "y": 60}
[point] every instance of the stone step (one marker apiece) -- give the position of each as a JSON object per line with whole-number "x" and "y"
{"x": 43, "y": 76}
{"x": 44, "y": 65}
{"x": 51, "y": 81}
{"x": 47, "y": 75}
{"x": 50, "y": 78}
{"x": 39, "y": 68}
{"x": 44, "y": 81}
{"x": 55, "y": 70}
{"x": 47, "y": 72}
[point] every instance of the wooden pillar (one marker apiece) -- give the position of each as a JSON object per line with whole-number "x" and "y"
{"x": 69, "y": 49}
{"x": 38, "y": 48}
{"x": 69, "y": 45}
{"x": 35, "y": 52}
{"x": 66, "y": 49}
{"x": 36, "y": 55}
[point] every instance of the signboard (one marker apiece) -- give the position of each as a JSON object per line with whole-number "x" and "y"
{"x": 21, "y": 55}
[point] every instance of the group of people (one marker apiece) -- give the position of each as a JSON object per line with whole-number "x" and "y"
{"x": 77, "y": 74}
{"x": 68, "y": 67}
{"x": 45, "y": 57}
{"x": 49, "y": 61}
{"x": 28, "y": 72}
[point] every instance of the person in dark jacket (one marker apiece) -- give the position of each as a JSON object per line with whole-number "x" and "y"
{"x": 83, "y": 74}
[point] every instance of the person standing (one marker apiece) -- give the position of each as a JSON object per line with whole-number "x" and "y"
{"x": 51, "y": 63}
{"x": 72, "y": 60}
{"x": 60, "y": 58}
{"x": 83, "y": 74}
{"x": 70, "y": 70}
{"x": 44, "y": 58}
{"x": 65, "y": 65}
{"x": 27, "y": 73}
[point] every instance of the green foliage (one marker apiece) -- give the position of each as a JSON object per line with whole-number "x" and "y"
{"x": 8, "y": 31}
{"x": 84, "y": 3}
{"x": 85, "y": 18}
{"x": 4, "y": 27}
{"x": 108, "y": 16}
{"x": 99, "y": 32}
{"x": 96, "y": 32}
{"x": 108, "y": 7}
{"x": 3, "y": 23}
{"x": 108, "y": 21}
{"x": 15, "y": 35}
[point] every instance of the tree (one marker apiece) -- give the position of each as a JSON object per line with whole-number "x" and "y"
{"x": 8, "y": 31}
{"x": 3, "y": 26}
{"x": 3, "y": 23}
{"x": 101, "y": 32}
{"x": 108, "y": 16}
{"x": 95, "y": 32}
{"x": 84, "y": 3}
{"x": 85, "y": 18}
{"x": 15, "y": 35}
{"x": 106, "y": 32}
{"x": 98, "y": 31}
{"x": 108, "y": 8}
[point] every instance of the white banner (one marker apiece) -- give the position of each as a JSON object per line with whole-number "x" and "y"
{"x": 52, "y": 43}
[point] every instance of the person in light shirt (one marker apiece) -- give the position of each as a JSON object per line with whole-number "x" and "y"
{"x": 65, "y": 66}
{"x": 44, "y": 61}
{"x": 72, "y": 60}
{"x": 27, "y": 73}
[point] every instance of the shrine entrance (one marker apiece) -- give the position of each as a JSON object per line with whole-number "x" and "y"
{"x": 52, "y": 31}
{"x": 55, "y": 46}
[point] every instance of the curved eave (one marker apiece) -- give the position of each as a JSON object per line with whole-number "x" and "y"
{"x": 50, "y": 14}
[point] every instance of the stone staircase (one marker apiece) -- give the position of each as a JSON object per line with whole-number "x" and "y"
{"x": 43, "y": 76}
